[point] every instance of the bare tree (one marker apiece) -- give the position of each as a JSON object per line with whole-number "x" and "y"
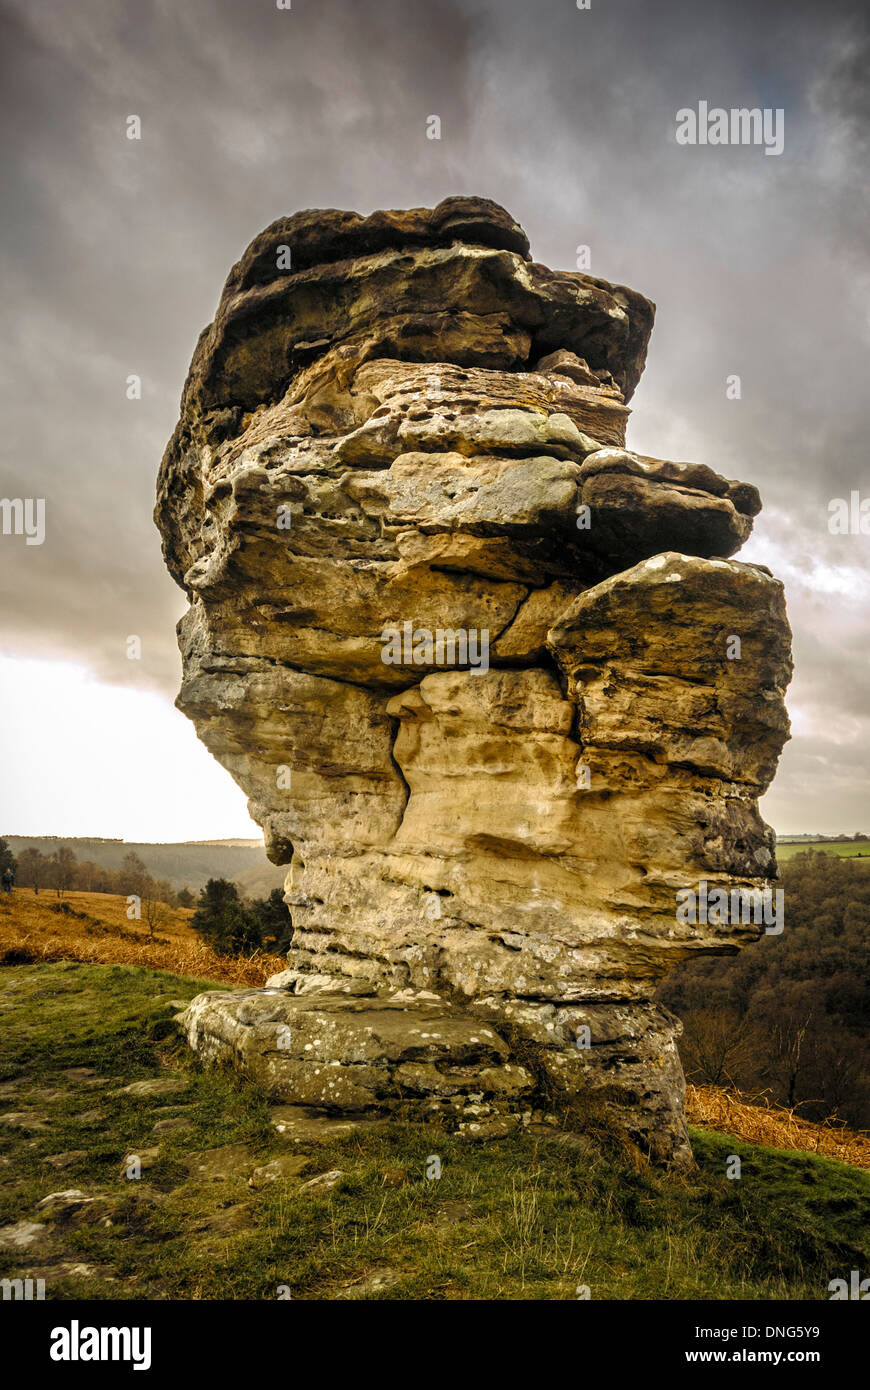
{"x": 33, "y": 869}
{"x": 134, "y": 875}
{"x": 88, "y": 875}
{"x": 787, "y": 1038}
{"x": 154, "y": 909}
{"x": 62, "y": 867}
{"x": 714, "y": 1042}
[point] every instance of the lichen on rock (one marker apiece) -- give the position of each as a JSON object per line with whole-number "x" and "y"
{"x": 491, "y": 682}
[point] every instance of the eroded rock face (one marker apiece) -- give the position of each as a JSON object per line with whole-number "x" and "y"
{"x": 472, "y": 660}
{"x": 356, "y": 1049}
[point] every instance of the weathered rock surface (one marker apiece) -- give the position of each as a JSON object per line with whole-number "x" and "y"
{"x": 472, "y": 661}
{"x": 362, "y": 1050}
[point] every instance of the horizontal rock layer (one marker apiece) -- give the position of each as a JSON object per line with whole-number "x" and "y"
{"x": 355, "y": 1050}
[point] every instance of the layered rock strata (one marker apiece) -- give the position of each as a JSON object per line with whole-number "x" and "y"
{"x": 490, "y": 680}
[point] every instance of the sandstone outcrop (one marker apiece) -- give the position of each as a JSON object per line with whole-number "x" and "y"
{"x": 490, "y": 680}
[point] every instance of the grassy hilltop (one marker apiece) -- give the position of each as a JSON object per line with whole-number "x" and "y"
{"x": 237, "y": 1197}
{"x": 230, "y": 1206}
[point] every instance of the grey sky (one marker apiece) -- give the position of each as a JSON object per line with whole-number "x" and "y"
{"x": 114, "y": 253}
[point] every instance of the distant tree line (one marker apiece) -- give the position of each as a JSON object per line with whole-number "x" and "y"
{"x": 232, "y": 925}
{"x": 61, "y": 872}
{"x": 184, "y": 865}
{"x": 789, "y": 1015}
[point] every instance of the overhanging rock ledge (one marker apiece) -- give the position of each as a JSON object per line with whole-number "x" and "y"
{"x": 490, "y": 680}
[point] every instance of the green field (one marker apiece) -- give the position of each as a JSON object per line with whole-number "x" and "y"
{"x": 513, "y": 1219}
{"x": 843, "y": 849}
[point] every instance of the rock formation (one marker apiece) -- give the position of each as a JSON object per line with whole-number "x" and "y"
{"x": 492, "y": 685}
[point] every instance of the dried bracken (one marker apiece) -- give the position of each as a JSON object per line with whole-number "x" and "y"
{"x": 753, "y": 1119}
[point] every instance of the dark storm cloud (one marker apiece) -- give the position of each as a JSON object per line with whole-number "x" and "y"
{"x": 114, "y": 253}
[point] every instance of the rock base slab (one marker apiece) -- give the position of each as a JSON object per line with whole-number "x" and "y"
{"x": 359, "y": 1053}
{"x": 342, "y": 1052}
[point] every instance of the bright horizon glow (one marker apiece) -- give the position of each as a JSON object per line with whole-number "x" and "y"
{"x": 81, "y": 758}
{"x": 132, "y": 768}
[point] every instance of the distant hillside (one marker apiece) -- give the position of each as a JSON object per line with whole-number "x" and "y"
{"x": 188, "y": 864}
{"x": 842, "y": 848}
{"x": 787, "y": 1017}
{"x": 815, "y": 837}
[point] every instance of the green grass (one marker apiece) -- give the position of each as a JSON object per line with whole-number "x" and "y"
{"x": 520, "y": 1218}
{"x": 843, "y": 849}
